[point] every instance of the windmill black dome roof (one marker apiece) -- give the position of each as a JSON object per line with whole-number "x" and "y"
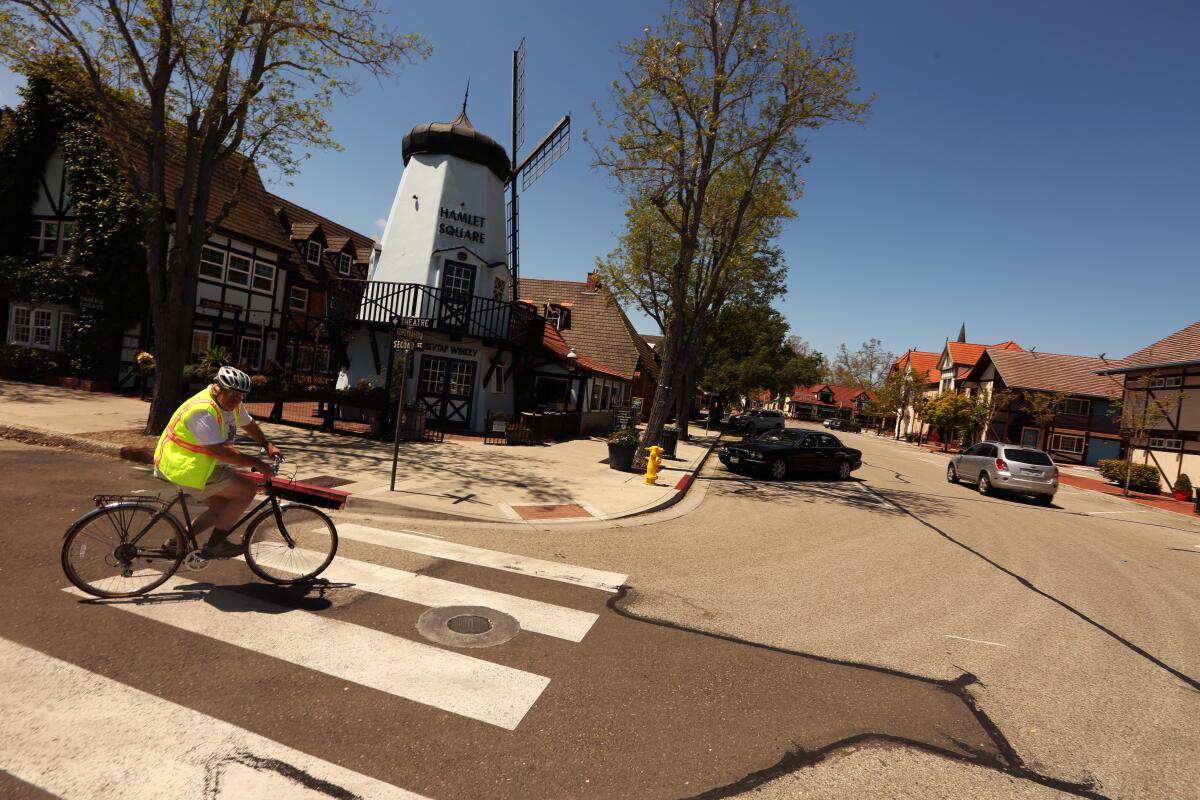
{"x": 458, "y": 138}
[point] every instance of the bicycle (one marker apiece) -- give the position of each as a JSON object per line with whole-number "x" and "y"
{"x": 134, "y": 543}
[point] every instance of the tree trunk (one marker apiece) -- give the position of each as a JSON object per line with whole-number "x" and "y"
{"x": 663, "y": 394}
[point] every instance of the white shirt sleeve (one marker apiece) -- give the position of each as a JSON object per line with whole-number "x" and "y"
{"x": 206, "y": 429}
{"x": 243, "y": 416}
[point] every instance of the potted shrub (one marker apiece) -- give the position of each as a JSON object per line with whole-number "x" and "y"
{"x": 1183, "y": 487}
{"x": 622, "y": 446}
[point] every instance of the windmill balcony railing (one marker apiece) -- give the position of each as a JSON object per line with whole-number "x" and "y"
{"x": 439, "y": 310}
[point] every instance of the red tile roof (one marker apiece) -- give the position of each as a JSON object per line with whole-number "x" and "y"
{"x": 1053, "y": 372}
{"x": 1181, "y": 346}
{"x": 843, "y": 396}
{"x": 967, "y": 353}
{"x": 923, "y": 363}
{"x": 553, "y": 341}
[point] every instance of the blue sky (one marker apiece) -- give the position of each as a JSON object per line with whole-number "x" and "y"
{"x": 1031, "y": 168}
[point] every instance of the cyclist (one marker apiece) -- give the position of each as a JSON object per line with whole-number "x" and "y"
{"x": 195, "y": 451}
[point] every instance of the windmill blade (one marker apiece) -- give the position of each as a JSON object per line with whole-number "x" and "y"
{"x": 518, "y": 98}
{"x": 548, "y": 151}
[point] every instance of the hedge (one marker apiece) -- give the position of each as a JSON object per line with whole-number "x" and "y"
{"x": 1144, "y": 477}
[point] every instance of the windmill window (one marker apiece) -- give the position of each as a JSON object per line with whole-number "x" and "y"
{"x": 344, "y": 264}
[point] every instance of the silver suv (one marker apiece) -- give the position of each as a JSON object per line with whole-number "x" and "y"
{"x": 759, "y": 419}
{"x": 996, "y": 466}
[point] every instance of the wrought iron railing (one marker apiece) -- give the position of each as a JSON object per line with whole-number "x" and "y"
{"x": 438, "y": 309}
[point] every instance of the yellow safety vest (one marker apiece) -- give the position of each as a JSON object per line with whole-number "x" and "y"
{"x": 179, "y": 457}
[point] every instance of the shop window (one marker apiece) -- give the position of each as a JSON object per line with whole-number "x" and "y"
{"x": 66, "y": 322}
{"x": 1066, "y": 444}
{"x": 595, "y": 405}
{"x": 22, "y": 325}
{"x": 251, "y": 351}
{"x": 304, "y": 360}
{"x": 238, "y": 273}
{"x": 498, "y": 384}
{"x": 201, "y": 343}
{"x": 212, "y": 263}
{"x": 322, "y": 358}
{"x": 264, "y": 277}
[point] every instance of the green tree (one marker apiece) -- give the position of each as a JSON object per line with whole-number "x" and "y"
{"x": 891, "y": 397}
{"x": 949, "y": 413}
{"x": 1042, "y": 408}
{"x": 709, "y": 116}
{"x": 1139, "y": 411}
{"x": 194, "y": 86}
{"x": 865, "y": 368}
{"x": 749, "y": 349}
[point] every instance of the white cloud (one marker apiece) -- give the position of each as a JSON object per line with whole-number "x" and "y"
{"x": 381, "y": 223}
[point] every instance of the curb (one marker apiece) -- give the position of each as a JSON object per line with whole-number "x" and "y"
{"x": 43, "y": 438}
{"x": 361, "y": 505}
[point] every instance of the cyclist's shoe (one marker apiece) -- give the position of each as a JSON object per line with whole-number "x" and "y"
{"x": 219, "y": 546}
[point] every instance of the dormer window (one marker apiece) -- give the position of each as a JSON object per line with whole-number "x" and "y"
{"x": 344, "y": 264}
{"x": 312, "y": 253}
{"x": 560, "y": 315}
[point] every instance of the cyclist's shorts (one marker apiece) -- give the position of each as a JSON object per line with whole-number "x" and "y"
{"x": 219, "y": 479}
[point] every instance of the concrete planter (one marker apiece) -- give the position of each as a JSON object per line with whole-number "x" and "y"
{"x": 620, "y": 456}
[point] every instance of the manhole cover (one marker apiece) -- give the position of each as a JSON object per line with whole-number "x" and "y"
{"x": 467, "y": 626}
{"x": 469, "y": 623}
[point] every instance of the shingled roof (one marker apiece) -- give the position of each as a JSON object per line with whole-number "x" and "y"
{"x": 1051, "y": 372}
{"x": 1181, "y": 347}
{"x": 304, "y": 222}
{"x": 599, "y": 330}
{"x": 968, "y": 353}
{"x": 843, "y": 396}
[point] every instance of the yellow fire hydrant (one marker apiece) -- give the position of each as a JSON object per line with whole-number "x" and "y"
{"x": 653, "y": 464}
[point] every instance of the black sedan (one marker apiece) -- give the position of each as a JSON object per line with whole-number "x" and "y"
{"x": 778, "y": 453}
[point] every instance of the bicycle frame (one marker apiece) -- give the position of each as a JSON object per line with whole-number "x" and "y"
{"x": 181, "y": 498}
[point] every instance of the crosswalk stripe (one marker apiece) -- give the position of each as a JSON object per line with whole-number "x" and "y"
{"x": 534, "y": 615}
{"x": 452, "y": 551}
{"x": 451, "y": 681}
{"x": 82, "y": 736}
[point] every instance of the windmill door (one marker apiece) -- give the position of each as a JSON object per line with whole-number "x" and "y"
{"x": 458, "y": 287}
{"x": 446, "y": 390}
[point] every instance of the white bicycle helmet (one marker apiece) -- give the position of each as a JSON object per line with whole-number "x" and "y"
{"x": 233, "y": 378}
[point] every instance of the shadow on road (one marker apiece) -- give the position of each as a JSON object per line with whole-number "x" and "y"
{"x": 854, "y": 493}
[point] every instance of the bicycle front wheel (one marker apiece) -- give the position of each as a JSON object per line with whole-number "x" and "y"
{"x": 293, "y": 547}
{"x": 100, "y": 556}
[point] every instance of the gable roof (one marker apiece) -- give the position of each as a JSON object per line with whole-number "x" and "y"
{"x": 599, "y": 330}
{"x": 1050, "y": 372}
{"x": 1181, "y": 347}
{"x": 922, "y": 363}
{"x": 966, "y": 353}
{"x": 843, "y": 396}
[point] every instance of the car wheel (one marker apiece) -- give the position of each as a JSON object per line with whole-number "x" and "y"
{"x": 843, "y": 471}
{"x": 951, "y": 474}
{"x": 779, "y": 427}
{"x": 777, "y": 469}
{"x": 1043, "y": 499}
{"x": 985, "y": 484}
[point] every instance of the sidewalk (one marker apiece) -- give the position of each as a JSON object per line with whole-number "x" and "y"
{"x": 462, "y": 479}
{"x": 1187, "y": 508}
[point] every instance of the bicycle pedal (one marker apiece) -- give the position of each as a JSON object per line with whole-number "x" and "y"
{"x": 195, "y": 562}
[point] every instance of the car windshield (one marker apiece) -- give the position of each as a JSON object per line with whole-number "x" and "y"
{"x": 1028, "y": 457}
{"x": 780, "y": 435}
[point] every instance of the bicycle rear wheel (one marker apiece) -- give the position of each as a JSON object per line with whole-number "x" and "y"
{"x": 99, "y": 558}
{"x": 302, "y": 554}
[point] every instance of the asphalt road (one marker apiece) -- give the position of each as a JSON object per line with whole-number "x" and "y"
{"x": 889, "y": 636}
